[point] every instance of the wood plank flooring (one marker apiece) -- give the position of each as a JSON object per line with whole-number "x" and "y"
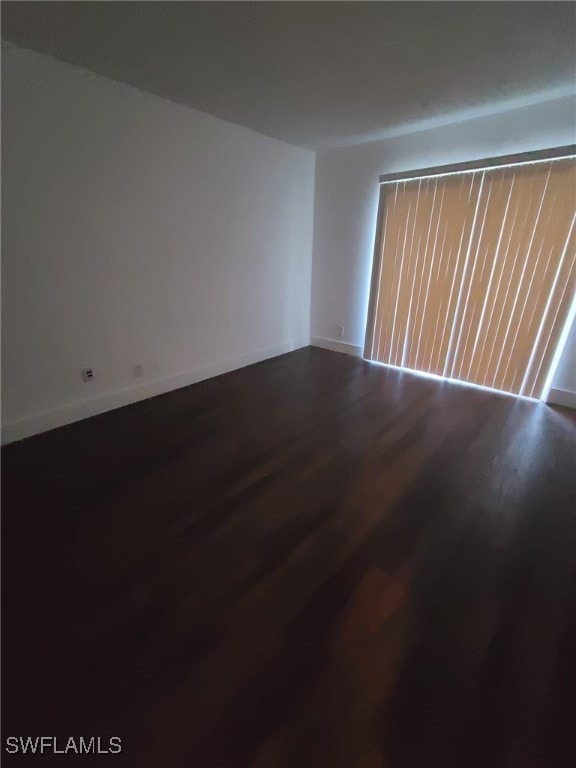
{"x": 311, "y": 562}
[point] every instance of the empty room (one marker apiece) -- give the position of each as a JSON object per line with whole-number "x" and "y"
{"x": 288, "y": 384}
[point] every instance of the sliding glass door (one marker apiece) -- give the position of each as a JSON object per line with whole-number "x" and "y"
{"x": 474, "y": 273}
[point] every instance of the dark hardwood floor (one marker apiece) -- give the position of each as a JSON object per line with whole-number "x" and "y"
{"x": 313, "y": 562}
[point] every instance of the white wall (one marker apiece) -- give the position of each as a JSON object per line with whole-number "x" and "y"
{"x": 565, "y": 378}
{"x": 138, "y": 231}
{"x": 346, "y": 203}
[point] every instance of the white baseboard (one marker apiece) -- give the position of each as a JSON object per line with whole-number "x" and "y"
{"x": 337, "y": 346}
{"x": 42, "y": 422}
{"x": 562, "y": 397}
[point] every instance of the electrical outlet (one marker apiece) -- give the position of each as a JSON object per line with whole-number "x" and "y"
{"x": 87, "y": 374}
{"x": 340, "y": 331}
{"x": 138, "y": 371}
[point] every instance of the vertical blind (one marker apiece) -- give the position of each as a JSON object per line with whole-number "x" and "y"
{"x": 474, "y": 274}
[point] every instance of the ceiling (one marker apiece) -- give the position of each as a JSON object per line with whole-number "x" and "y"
{"x": 319, "y": 74}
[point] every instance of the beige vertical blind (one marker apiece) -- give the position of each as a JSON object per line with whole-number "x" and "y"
{"x": 474, "y": 274}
